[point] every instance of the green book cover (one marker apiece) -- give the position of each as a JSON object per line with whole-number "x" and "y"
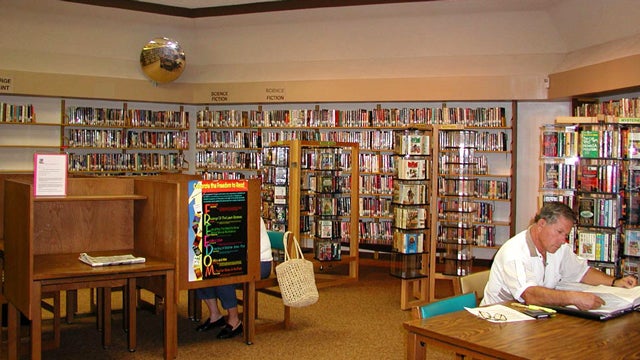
{"x": 590, "y": 144}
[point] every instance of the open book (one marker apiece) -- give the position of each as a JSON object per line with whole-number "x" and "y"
{"x": 617, "y": 300}
{"x": 110, "y": 260}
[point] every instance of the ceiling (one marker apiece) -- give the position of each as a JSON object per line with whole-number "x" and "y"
{"x": 209, "y": 8}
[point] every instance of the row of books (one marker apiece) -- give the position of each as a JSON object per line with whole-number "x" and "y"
{"x": 623, "y": 107}
{"x": 82, "y": 115}
{"x": 17, "y": 113}
{"x": 462, "y": 163}
{"x": 319, "y": 181}
{"x": 597, "y": 246}
{"x": 559, "y": 141}
{"x": 126, "y": 162}
{"x": 325, "y": 159}
{"x": 207, "y": 159}
{"x": 226, "y": 175}
{"x": 127, "y": 139}
{"x": 493, "y": 189}
{"x": 458, "y": 186}
{"x": 375, "y": 206}
{"x": 480, "y": 117}
{"x": 376, "y": 184}
{"x": 456, "y": 233}
{"x": 558, "y": 175}
{"x": 600, "y": 177}
{"x": 325, "y": 206}
{"x": 378, "y": 139}
{"x": 604, "y": 140}
{"x": 465, "y": 210}
{"x": 601, "y": 212}
{"x": 375, "y": 232}
{"x": 328, "y": 250}
{"x": 235, "y": 139}
{"x": 376, "y": 163}
{"x": 458, "y": 139}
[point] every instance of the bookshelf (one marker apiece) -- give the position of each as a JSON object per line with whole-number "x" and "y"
{"x": 411, "y": 203}
{"x": 27, "y": 126}
{"x": 123, "y": 140}
{"x": 590, "y": 162}
{"x": 310, "y": 188}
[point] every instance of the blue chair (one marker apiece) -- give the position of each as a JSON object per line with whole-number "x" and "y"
{"x": 444, "y": 306}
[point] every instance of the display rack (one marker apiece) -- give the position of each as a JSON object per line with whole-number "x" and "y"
{"x": 412, "y": 214}
{"x": 310, "y": 188}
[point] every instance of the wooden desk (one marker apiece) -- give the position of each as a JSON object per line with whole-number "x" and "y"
{"x": 45, "y": 235}
{"x": 66, "y": 272}
{"x": 561, "y": 337}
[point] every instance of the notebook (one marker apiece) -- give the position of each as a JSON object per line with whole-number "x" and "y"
{"x": 618, "y": 301}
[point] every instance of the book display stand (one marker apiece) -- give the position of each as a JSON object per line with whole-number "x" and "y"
{"x": 311, "y": 189}
{"x": 411, "y": 201}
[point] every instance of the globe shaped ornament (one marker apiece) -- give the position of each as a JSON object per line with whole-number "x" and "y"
{"x": 162, "y": 60}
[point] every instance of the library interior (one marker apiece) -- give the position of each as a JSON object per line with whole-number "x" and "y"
{"x": 391, "y": 148}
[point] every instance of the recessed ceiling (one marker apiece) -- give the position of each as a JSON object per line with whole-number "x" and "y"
{"x": 208, "y": 8}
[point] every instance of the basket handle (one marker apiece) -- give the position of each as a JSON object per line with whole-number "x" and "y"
{"x": 297, "y": 248}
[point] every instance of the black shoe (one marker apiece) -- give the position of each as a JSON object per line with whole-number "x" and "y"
{"x": 208, "y": 325}
{"x": 228, "y": 332}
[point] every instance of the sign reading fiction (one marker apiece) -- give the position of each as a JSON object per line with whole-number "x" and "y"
{"x": 218, "y": 234}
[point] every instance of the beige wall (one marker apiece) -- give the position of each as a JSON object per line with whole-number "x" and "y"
{"x": 495, "y": 49}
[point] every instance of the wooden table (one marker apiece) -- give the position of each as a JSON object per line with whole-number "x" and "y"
{"x": 66, "y": 272}
{"x": 561, "y": 337}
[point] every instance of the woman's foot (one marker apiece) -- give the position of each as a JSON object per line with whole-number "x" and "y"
{"x": 208, "y": 325}
{"x": 229, "y": 331}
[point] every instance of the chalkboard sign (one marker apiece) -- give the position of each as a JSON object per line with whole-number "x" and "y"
{"x": 218, "y": 233}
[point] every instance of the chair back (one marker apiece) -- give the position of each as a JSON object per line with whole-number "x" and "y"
{"x": 475, "y": 282}
{"x": 444, "y": 306}
{"x": 277, "y": 239}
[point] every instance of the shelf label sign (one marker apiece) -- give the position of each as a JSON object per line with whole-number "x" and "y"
{"x": 6, "y": 84}
{"x": 275, "y": 94}
{"x": 218, "y": 231}
{"x": 218, "y": 96}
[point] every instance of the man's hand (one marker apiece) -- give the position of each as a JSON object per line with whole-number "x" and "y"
{"x": 586, "y": 301}
{"x": 626, "y": 282}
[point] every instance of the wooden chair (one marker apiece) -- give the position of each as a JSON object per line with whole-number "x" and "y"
{"x": 475, "y": 282}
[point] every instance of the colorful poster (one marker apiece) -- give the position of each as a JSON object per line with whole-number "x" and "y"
{"x": 218, "y": 231}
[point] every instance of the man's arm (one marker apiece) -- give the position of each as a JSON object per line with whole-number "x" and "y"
{"x": 596, "y": 277}
{"x": 540, "y": 295}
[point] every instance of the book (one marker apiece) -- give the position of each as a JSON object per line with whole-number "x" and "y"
{"x": 412, "y": 169}
{"x": 616, "y": 299}
{"x": 551, "y": 176}
{"x": 589, "y": 179}
{"x": 590, "y": 143}
{"x": 549, "y": 143}
{"x": 586, "y": 212}
{"x": 110, "y": 260}
{"x": 633, "y": 148}
{"x": 587, "y": 246}
{"x": 408, "y": 243}
{"x": 279, "y": 194}
{"x": 632, "y": 242}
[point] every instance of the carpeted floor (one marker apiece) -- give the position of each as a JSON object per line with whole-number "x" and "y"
{"x": 361, "y": 320}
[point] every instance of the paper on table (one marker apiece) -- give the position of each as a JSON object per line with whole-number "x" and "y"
{"x": 110, "y": 260}
{"x": 510, "y": 314}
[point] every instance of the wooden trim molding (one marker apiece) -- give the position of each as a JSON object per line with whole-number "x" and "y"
{"x": 614, "y": 76}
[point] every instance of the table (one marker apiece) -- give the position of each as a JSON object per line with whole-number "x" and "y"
{"x": 560, "y": 337}
{"x": 66, "y": 272}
